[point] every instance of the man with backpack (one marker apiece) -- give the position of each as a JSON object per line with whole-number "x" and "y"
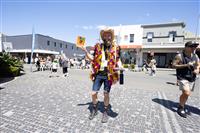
{"x": 187, "y": 66}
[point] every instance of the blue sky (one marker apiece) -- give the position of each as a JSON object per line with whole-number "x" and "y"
{"x": 66, "y": 19}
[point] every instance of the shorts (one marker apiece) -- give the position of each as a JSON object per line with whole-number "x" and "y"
{"x": 99, "y": 80}
{"x": 185, "y": 84}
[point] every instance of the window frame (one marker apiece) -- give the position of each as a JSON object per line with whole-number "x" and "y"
{"x": 150, "y": 39}
{"x": 48, "y": 43}
{"x": 132, "y": 38}
{"x": 173, "y": 38}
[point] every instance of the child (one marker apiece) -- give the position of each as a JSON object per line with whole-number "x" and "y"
{"x": 54, "y": 67}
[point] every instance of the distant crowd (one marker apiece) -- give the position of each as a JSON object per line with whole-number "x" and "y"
{"x": 48, "y": 63}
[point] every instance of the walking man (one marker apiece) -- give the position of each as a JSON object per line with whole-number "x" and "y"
{"x": 152, "y": 65}
{"x": 145, "y": 65}
{"x": 187, "y": 67}
{"x": 65, "y": 63}
{"x": 104, "y": 63}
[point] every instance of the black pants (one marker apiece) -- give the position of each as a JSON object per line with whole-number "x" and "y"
{"x": 65, "y": 70}
{"x": 54, "y": 70}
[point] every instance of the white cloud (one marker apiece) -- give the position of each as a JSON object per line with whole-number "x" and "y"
{"x": 147, "y": 14}
{"x": 90, "y": 27}
{"x": 85, "y": 27}
{"x": 100, "y": 27}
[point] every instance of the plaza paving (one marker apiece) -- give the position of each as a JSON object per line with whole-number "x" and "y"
{"x": 34, "y": 102}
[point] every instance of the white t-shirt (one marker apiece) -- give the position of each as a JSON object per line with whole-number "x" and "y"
{"x": 36, "y": 59}
{"x": 54, "y": 65}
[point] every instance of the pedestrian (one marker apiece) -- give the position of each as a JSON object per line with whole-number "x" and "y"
{"x": 42, "y": 64}
{"x": 65, "y": 66}
{"x": 104, "y": 61}
{"x": 55, "y": 65}
{"x": 26, "y": 60}
{"x": 60, "y": 61}
{"x": 37, "y": 62}
{"x": 187, "y": 67}
{"x": 145, "y": 65}
{"x": 83, "y": 64}
{"x": 152, "y": 65}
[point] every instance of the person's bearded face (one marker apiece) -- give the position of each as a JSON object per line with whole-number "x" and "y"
{"x": 107, "y": 39}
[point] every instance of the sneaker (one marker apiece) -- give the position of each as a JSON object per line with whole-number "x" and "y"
{"x": 181, "y": 112}
{"x": 105, "y": 117}
{"x": 93, "y": 114}
{"x": 187, "y": 111}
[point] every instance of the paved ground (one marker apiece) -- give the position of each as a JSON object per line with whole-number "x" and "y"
{"x": 36, "y": 103}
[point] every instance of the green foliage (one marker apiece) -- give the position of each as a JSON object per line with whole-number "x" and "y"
{"x": 125, "y": 65}
{"x": 130, "y": 66}
{"x": 9, "y": 66}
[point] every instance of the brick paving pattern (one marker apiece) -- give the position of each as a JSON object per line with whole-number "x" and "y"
{"x": 36, "y": 103}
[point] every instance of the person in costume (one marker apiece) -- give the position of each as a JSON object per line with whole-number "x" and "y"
{"x": 105, "y": 65}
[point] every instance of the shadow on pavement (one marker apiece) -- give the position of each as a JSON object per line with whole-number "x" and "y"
{"x": 21, "y": 74}
{"x": 4, "y": 80}
{"x": 8, "y": 79}
{"x": 1, "y": 87}
{"x": 35, "y": 71}
{"x": 173, "y": 105}
{"x": 171, "y": 83}
{"x": 111, "y": 113}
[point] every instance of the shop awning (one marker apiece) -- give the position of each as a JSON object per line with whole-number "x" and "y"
{"x": 40, "y": 51}
{"x": 130, "y": 46}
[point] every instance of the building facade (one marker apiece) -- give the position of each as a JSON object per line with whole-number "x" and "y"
{"x": 164, "y": 41}
{"x": 129, "y": 37}
{"x": 44, "y": 46}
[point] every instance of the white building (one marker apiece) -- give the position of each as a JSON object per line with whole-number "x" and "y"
{"x": 129, "y": 37}
{"x": 139, "y": 41}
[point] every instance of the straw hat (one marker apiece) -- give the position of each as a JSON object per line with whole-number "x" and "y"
{"x": 107, "y": 31}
